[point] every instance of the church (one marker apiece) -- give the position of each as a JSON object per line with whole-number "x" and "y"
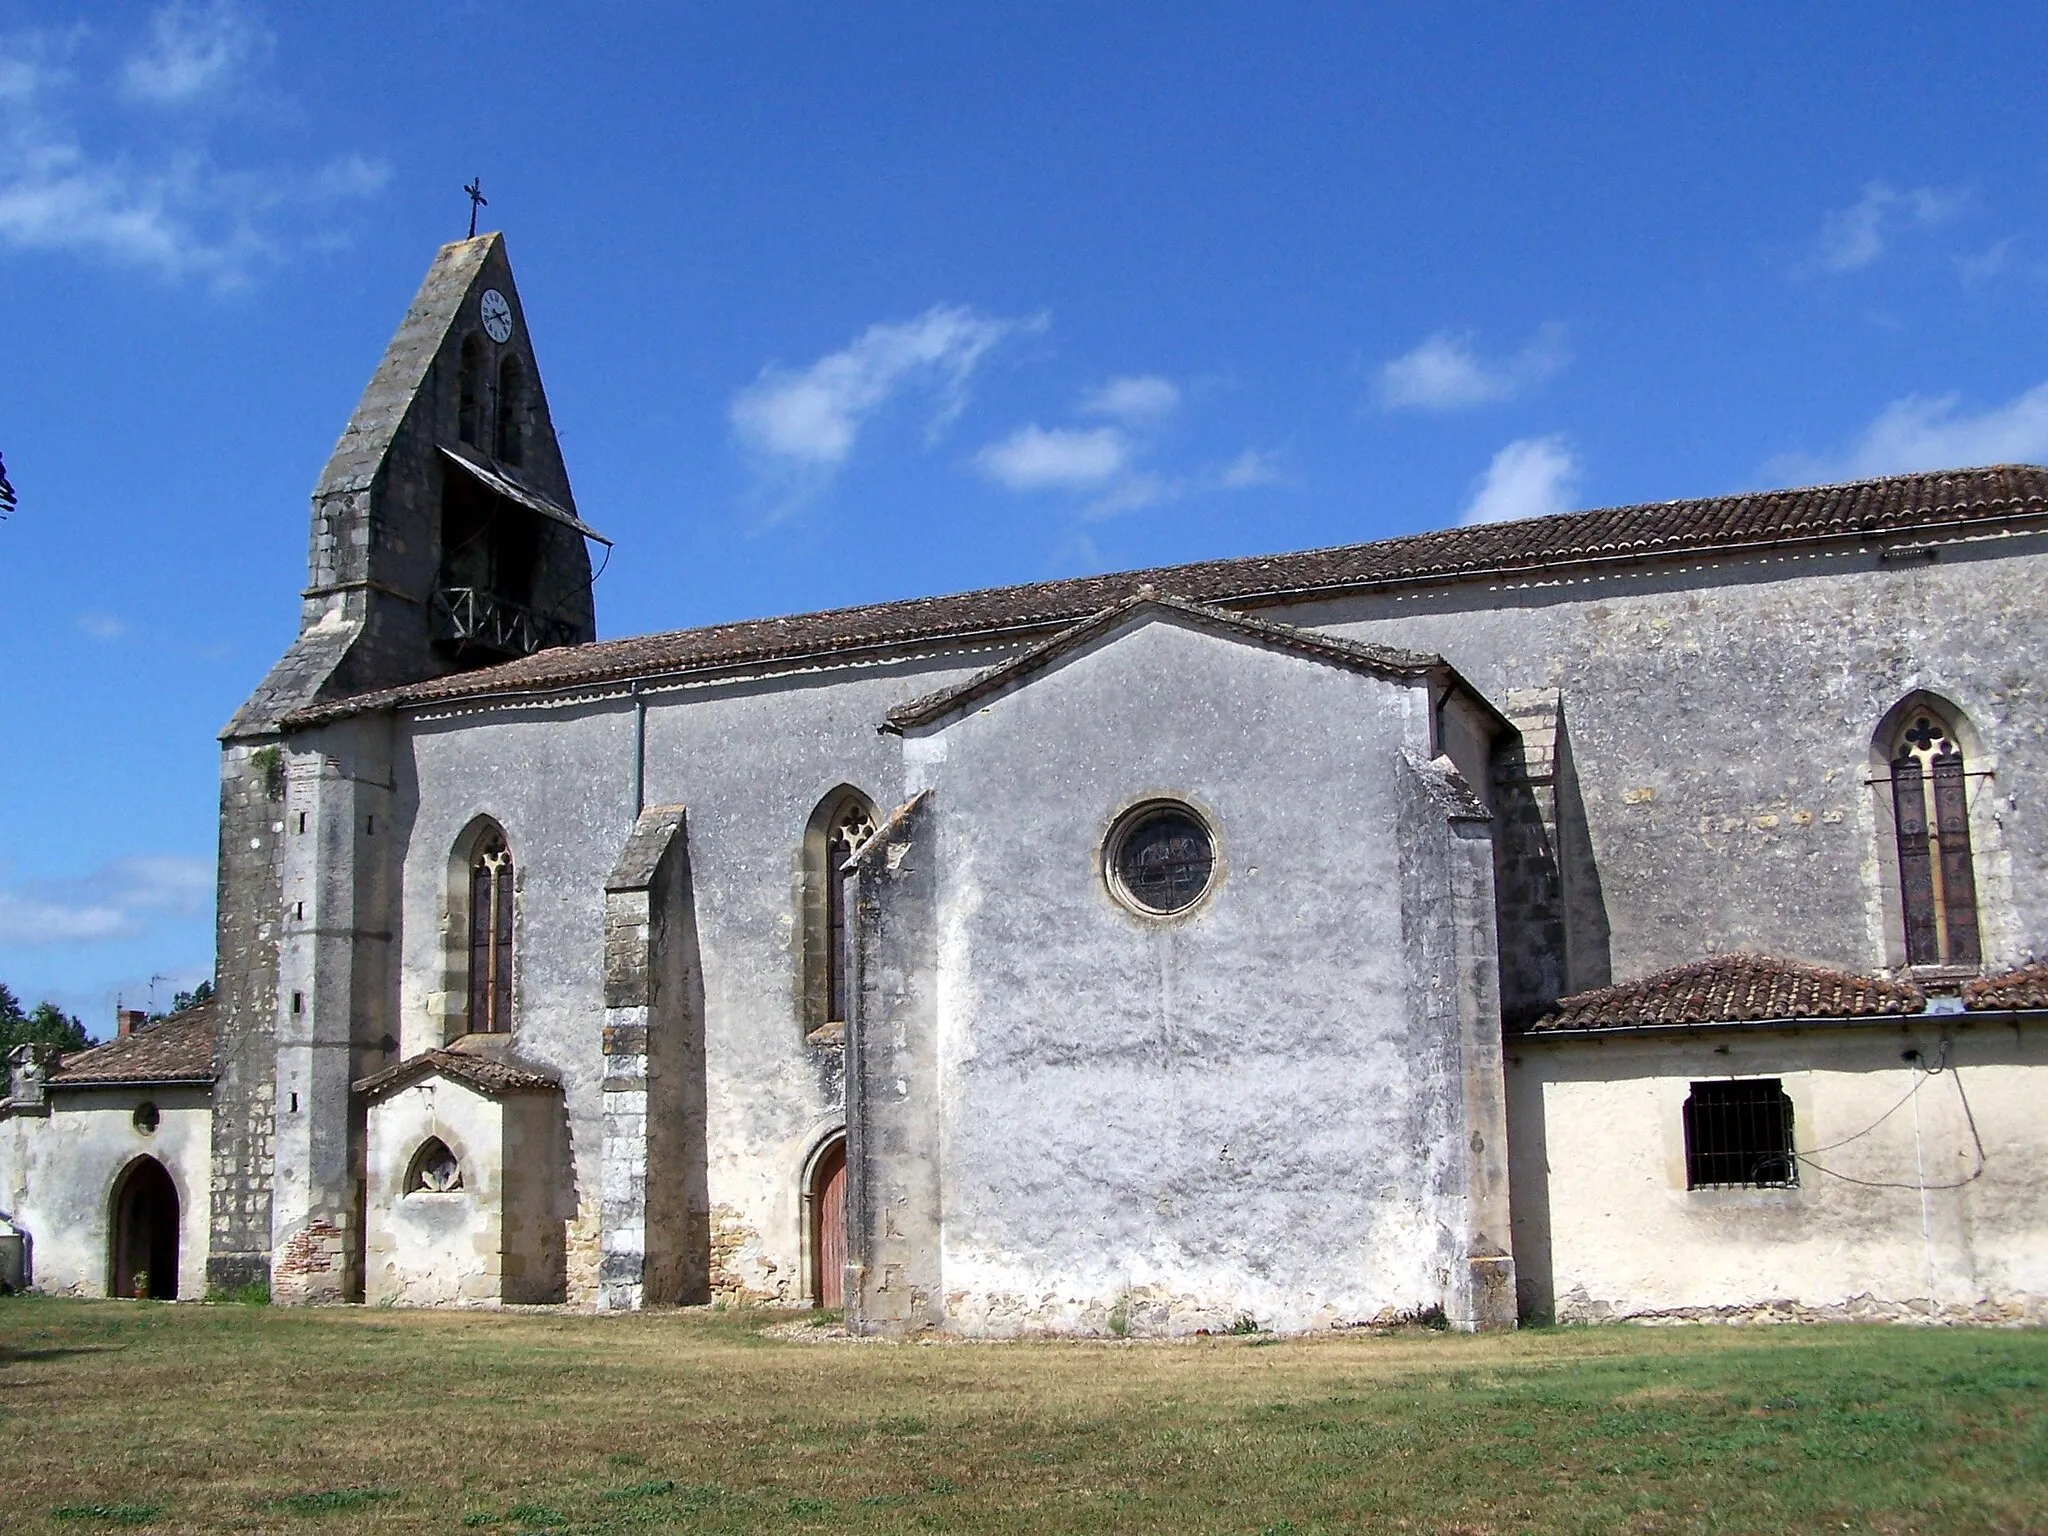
{"x": 1629, "y": 914}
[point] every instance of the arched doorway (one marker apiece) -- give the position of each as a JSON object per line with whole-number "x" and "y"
{"x": 146, "y": 1232}
{"x": 828, "y": 1226}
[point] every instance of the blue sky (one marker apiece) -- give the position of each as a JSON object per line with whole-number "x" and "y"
{"x": 837, "y": 304}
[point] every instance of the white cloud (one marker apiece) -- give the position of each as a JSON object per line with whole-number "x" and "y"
{"x": 1136, "y": 398}
{"x": 113, "y": 902}
{"x": 193, "y": 52}
{"x": 1250, "y": 468}
{"x": 1922, "y": 432}
{"x": 810, "y": 417}
{"x": 1981, "y": 268}
{"x": 1034, "y": 458}
{"x": 164, "y": 203}
{"x": 1445, "y": 373}
{"x": 1856, "y": 236}
{"x": 101, "y": 626}
{"x": 1531, "y": 477}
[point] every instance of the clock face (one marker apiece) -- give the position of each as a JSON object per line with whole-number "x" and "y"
{"x": 497, "y": 315}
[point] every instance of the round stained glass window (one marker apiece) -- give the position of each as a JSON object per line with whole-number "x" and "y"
{"x": 1162, "y": 859}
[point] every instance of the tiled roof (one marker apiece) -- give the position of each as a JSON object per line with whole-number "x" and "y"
{"x": 478, "y": 1072}
{"x": 1900, "y": 508}
{"x": 1732, "y": 989}
{"x": 1354, "y": 654}
{"x": 178, "y": 1049}
{"x": 2026, "y": 987}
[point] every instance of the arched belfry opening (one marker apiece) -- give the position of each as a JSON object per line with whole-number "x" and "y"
{"x": 511, "y": 413}
{"x": 470, "y": 404}
{"x": 490, "y": 553}
{"x": 843, "y": 820}
{"x": 1930, "y": 794}
{"x": 144, "y": 1234}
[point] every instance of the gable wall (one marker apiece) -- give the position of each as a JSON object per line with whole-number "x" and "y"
{"x": 1238, "y": 1110}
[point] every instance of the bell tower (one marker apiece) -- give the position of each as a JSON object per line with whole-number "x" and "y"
{"x": 444, "y": 531}
{"x": 444, "y": 536}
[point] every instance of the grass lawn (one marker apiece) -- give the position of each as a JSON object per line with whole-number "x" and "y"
{"x": 143, "y": 1416}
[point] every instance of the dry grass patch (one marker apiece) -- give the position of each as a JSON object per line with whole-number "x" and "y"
{"x": 138, "y": 1416}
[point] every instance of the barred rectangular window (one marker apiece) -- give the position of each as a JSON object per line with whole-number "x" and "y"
{"x": 1739, "y": 1135}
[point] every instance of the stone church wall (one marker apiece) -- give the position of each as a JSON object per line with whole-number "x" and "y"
{"x": 750, "y": 760}
{"x": 1605, "y": 1227}
{"x": 1714, "y": 726}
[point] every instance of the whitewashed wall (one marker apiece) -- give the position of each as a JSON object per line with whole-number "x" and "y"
{"x": 1606, "y": 1228}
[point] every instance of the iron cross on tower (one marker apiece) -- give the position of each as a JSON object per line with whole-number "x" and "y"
{"x": 476, "y": 200}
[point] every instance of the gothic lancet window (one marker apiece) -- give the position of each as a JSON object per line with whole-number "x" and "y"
{"x": 1937, "y": 883}
{"x": 490, "y": 936}
{"x": 853, "y": 825}
{"x": 469, "y": 413}
{"x": 511, "y": 417}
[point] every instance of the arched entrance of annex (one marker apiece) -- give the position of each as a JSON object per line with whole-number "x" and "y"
{"x": 827, "y": 1202}
{"x": 145, "y": 1232}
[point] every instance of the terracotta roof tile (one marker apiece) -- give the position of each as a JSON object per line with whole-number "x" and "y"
{"x": 1903, "y": 506}
{"x": 178, "y": 1049}
{"x": 1354, "y": 654}
{"x": 1732, "y": 989}
{"x": 478, "y": 1072}
{"x": 2024, "y": 987}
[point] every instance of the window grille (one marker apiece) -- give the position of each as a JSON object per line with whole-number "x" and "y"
{"x": 490, "y": 937}
{"x": 1738, "y": 1135}
{"x": 1937, "y": 883}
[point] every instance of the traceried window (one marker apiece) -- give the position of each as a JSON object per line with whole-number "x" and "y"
{"x": 853, "y": 825}
{"x": 490, "y": 936}
{"x": 1937, "y": 884}
{"x": 1738, "y": 1134}
{"x": 434, "y": 1170}
{"x": 1161, "y": 858}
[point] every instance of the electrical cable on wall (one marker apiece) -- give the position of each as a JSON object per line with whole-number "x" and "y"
{"x": 1927, "y": 1074}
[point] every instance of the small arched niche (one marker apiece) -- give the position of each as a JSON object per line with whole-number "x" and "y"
{"x": 434, "y": 1170}
{"x": 843, "y": 820}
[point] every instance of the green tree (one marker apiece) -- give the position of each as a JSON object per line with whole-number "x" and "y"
{"x": 184, "y": 1000}
{"x": 45, "y": 1024}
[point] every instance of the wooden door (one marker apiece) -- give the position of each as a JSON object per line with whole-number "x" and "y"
{"x": 828, "y": 1220}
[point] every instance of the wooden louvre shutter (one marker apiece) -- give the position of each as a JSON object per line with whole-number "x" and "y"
{"x": 1916, "y": 868}
{"x": 1958, "y": 879}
